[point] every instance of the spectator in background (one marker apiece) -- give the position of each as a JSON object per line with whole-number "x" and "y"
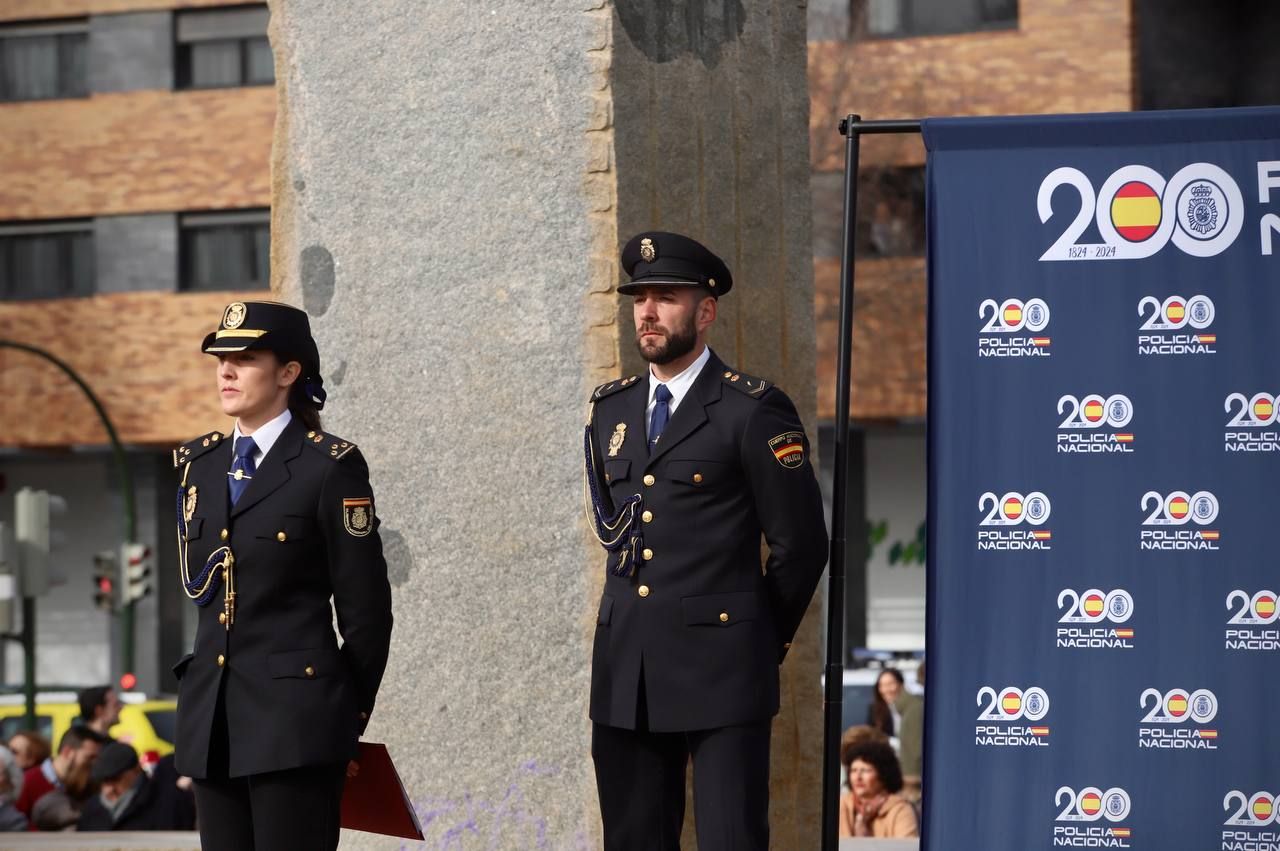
{"x": 55, "y": 811}
{"x": 882, "y": 714}
{"x": 66, "y": 772}
{"x": 872, "y": 807}
{"x": 10, "y": 785}
{"x": 911, "y": 739}
{"x": 99, "y": 709}
{"x": 30, "y": 748}
{"x": 129, "y": 800}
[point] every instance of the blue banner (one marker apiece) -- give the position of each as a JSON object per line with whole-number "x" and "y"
{"x": 1104, "y": 465}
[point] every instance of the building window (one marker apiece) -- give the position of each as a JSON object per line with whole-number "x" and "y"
{"x": 221, "y": 48}
{"x": 225, "y": 251}
{"x": 907, "y": 18}
{"x": 44, "y": 61}
{"x": 46, "y": 260}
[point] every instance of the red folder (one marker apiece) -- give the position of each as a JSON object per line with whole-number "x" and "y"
{"x": 375, "y": 801}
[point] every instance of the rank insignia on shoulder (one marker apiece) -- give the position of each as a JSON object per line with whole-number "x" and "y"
{"x": 744, "y": 383}
{"x": 613, "y": 387}
{"x": 335, "y": 447}
{"x": 357, "y": 516}
{"x": 193, "y": 449}
{"x": 788, "y": 448}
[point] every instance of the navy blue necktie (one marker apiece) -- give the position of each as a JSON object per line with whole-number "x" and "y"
{"x": 661, "y": 413}
{"x": 242, "y": 468}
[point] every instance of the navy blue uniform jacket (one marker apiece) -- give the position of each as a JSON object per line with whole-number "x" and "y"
{"x": 303, "y": 531}
{"x": 703, "y": 618}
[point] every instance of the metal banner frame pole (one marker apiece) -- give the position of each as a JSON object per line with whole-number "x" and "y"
{"x": 852, "y": 128}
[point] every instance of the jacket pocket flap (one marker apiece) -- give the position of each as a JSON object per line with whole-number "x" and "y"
{"x": 721, "y": 609}
{"x": 181, "y": 668}
{"x": 303, "y": 664}
{"x": 193, "y": 528}
{"x": 606, "y": 610}
{"x": 617, "y": 469}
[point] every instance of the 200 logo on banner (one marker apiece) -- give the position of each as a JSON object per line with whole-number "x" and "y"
{"x": 1200, "y": 209}
{"x": 1104, "y": 416}
{"x": 1160, "y": 330}
{"x": 1091, "y": 607}
{"x": 1009, "y": 705}
{"x": 1178, "y": 707}
{"x": 1179, "y": 508}
{"x": 1257, "y": 411}
{"x": 1252, "y": 621}
{"x": 1250, "y": 815}
{"x": 1074, "y": 828}
{"x": 1011, "y": 510}
{"x": 999, "y": 338}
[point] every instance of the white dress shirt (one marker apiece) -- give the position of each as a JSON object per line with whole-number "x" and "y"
{"x": 679, "y": 386}
{"x": 264, "y": 438}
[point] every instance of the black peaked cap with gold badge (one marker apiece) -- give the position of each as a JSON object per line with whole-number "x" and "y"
{"x": 269, "y": 326}
{"x": 658, "y": 258}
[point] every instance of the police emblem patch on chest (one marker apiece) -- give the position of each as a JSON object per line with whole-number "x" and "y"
{"x": 357, "y": 516}
{"x": 788, "y": 448}
{"x": 189, "y": 504}
{"x": 615, "y": 442}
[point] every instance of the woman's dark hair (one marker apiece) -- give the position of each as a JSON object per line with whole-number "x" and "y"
{"x": 301, "y": 406}
{"x": 881, "y": 717}
{"x": 878, "y": 754}
{"x": 300, "y": 403}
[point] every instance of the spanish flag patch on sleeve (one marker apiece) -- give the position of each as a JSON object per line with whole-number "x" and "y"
{"x": 788, "y": 448}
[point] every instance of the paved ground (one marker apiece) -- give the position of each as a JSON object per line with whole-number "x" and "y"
{"x": 190, "y": 842}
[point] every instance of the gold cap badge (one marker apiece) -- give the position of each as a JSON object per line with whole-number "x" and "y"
{"x": 648, "y": 251}
{"x": 235, "y": 314}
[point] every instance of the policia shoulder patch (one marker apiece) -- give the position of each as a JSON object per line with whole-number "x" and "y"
{"x": 357, "y": 516}
{"x": 788, "y": 448}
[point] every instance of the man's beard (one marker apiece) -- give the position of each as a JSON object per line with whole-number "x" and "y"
{"x": 678, "y": 343}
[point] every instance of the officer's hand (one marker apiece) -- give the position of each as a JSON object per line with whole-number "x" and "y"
{"x": 353, "y": 768}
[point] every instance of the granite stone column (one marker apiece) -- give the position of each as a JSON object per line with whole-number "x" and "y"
{"x": 452, "y": 182}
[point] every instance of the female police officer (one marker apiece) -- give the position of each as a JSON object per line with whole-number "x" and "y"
{"x": 273, "y": 521}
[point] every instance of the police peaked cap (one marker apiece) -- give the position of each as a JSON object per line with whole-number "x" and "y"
{"x": 269, "y": 326}
{"x": 656, "y": 258}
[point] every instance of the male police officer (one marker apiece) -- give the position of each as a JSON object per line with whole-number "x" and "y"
{"x": 688, "y": 465}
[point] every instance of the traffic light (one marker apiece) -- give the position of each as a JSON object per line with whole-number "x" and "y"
{"x": 106, "y": 574}
{"x": 33, "y": 512}
{"x": 135, "y": 559}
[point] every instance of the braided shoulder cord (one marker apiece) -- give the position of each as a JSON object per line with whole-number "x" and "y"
{"x": 615, "y": 532}
{"x": 202, "y": 587}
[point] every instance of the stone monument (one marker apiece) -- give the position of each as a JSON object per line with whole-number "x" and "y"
{"x": 451, "y": 184}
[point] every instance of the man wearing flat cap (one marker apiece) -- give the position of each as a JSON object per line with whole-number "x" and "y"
{"x": 690, "y": 466}
{"x": 275, "y": 520}
{"x": 130, "y": 800}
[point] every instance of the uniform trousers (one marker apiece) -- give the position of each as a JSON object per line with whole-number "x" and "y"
{"x": 640, "y": 778}
{"x": 298, "y": 809}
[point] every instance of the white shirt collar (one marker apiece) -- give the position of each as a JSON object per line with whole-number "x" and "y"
{"x": 266, "y": 436}
{"x": 679, "y": 386}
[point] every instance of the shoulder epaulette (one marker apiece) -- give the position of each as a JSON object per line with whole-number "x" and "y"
{"x": 328, "y": 444}
{"x": 613, "y": 387}
{"x": 195, "y": 448}
{"x": 748, "y": 384}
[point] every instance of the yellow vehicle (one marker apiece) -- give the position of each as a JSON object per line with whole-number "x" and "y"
{"x": 147, "y": 723}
